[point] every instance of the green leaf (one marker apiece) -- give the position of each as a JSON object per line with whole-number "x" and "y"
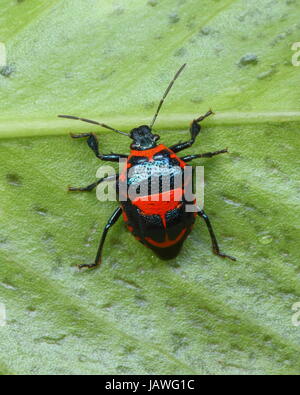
{"x": 112, "y": 61}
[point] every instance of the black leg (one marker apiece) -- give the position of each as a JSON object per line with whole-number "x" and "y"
{"x": 188, "y": 158}
{"x": 215, "y": 246}
{"x": 89, "y": 188}
{"x": 194, "y": 130}
{"x": 93, "y": 144}
{"x": 113, "y": 219}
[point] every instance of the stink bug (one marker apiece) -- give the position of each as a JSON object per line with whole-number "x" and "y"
{"x": 160, "y": 224}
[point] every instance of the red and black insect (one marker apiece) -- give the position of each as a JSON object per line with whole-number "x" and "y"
{"x": 160, "y": 224}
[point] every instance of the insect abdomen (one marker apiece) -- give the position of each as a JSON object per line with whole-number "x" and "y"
{"x": 159, "y": 220}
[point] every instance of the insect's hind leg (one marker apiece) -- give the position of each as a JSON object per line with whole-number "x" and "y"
{"x": 113, "y": 219}
{"x": 92, "y": 142}
{"x": 215, "y": 246}
{"x": 194, "y": 131}
{"x": 91, "y": 187}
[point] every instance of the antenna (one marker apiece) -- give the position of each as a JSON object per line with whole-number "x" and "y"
{"x": 166, "y": 93}
{"x": 94, "y": 123}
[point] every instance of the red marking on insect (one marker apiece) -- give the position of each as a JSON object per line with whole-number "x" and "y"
{"x": 147, "y": 153}
{"x": 167, "y": 242}
{"x": 125, "y": 217}
{"x": 160, "y": 203}
{"x": 130, "y": 228}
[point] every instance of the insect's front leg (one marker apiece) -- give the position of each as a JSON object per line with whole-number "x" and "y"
{"x": 194, "y": 131}
{"x": 92, "y": 142}
{"x": 91, "y": 187}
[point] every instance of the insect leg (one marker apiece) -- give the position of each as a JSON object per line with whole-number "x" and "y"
{"x": 215, "y": 246}
{"x": 194, "y": 131}
{"x": 92, "y": 142}
{"x": 188, "y": 158}
{"x": 90, "y": 187}
{"x": 113, "y": 219}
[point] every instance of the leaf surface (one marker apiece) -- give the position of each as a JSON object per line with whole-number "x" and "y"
{"x": 112, "y": 61}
